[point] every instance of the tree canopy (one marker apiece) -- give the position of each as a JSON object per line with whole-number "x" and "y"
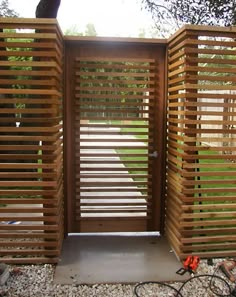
{"x": 175, "y": 13}
{"x": 6, "y": 11}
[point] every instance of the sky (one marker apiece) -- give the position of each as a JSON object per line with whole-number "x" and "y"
{"x": 122, "y": 18}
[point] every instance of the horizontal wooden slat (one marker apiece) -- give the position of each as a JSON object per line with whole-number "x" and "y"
{"x": 116, "y": 110}
{"x": 201, "y": 146}
{"x": 31, "y": 235}
{"x": 112, "y": 204}
{"x": 114, "y": 60}
{"x": 111, "y": 89}
{"x": 114, "y": 82}
{"x": 114, "y": 74}
{"x": 209, "y": 239}
{"x": 25, "y": 201}
{"x": 30, "y": 101}
{"x": 128, "y": 218}
{"x": 115, "y": 65}
{"x": 117, "y": 103}
{"x": 112, "y": 183}
{"x": 40, "y": 73}
{"x": 30, "y": 193}
{"x": 113, "y": 196}
{"x": 114, "y": 189}
{"x": 110, "y": 118}
{"x": 91, "y": 83}
{"x": 53, "y": 218}
{"x": 28, "y": 184}
{"x": 113, "y": 176}
{"x": 24, "y": 138}
{"x": 32, "y": 252}
{"x": 30, "y": 91}
{"x": 114, "y": 96}
{"x": 28, "y": 244}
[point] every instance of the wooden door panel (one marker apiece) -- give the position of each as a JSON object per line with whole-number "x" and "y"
{"x": 114, "y": 105}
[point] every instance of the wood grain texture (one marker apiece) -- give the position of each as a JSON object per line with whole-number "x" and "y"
{"x": 201, "y": 149}
{"x": 31, "y": 189}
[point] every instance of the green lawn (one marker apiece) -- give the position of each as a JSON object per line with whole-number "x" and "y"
{"x": 226, "y": 171}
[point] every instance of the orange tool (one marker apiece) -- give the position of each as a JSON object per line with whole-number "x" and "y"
{"x": 191, "y": 263}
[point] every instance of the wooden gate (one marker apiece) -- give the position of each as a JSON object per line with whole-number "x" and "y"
{"x": 114, "y": 134}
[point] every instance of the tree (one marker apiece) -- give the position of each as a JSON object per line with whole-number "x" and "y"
{"x": 74, "y": 30}
{"x": 47, "y": 8}
{"x": 6, "y": 11}
{"x": 175, "y": 13}
{"x": 90, "y": 30}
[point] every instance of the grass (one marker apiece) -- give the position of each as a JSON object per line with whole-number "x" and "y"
{"x": 39, "y": 170}
{"x": 217, "y": 187}
{"x": 215, "y": 172}
{"x": 136, "y": 129}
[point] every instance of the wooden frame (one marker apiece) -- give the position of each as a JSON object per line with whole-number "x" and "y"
{"x": 200, "y": 198}
{"x": 198, "y": 87}
{"x": 31, "y": 171}
{"x": 116, "y": 51}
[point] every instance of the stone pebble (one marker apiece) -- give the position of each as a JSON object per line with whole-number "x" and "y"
{"x": 37, "y": 281}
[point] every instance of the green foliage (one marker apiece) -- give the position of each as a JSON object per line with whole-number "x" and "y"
{"x": 74, "y": 31}
{"x": 6, "y": 11}
{"x": 90, "y": 30}
{"x": 175, "y": 13}
{"x": 15, "y": 57}
{"x": 121, "y": 85}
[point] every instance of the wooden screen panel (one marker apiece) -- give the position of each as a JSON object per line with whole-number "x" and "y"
{"x": 114, "y": 101}
{"x": 201, "y": 142}
{"x": 31, "y": 191}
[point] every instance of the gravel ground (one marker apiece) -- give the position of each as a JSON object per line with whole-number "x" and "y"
{"x": 37, "y": 281}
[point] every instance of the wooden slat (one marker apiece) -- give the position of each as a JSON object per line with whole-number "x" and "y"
{"x": 111, "y": 89}
{"x": 111, "y": 197}
{"x": 114, "y": 74}
{"x": 40, "y": 73}
{"x": 116, "y": 81}
{"x": 28, "y": 244}
{"x": 116, "y": 63}
{"x": 30, "y": 260}
{"x": 116, "y": 109}
{"x": 25, "y": 201}
{"x": 30, "y": 91}
{"x": 115, "y": 60}
{"x": 32, "y": 191}
{"x": 201, "y": 146}
{"x": 114, "y": 96}
{"x": 113, "y": 189}
{"x": 32, "y": 252}
{"x": 102, "y": 204}
{"x": 87, "y": 135}
{"x": 28, "y": 35}
{"x": 30, "y": 235}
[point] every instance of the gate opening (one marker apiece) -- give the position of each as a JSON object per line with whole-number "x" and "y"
{"x": 115, "y": 100}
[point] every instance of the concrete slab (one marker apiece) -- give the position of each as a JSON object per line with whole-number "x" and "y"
{"x": 121, "y": 258}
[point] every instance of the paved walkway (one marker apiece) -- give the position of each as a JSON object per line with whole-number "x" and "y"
{"x": 101, "y": 195}
{"x": 123, "y": 194}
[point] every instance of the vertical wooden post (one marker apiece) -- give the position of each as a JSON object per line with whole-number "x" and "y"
{"x": 190, "y": 118}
